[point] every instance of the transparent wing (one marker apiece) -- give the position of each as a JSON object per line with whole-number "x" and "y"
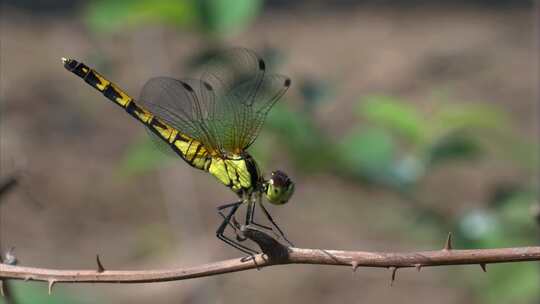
{"x": 243, "y": 94}
{"x": 179, "y": 103}
{"x": 226, "y": 108}
{"x": 252, "y": 113}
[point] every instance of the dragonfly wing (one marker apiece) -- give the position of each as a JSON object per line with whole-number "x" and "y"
{"x": 242, "y": 93}
{"x": 180, "y": 104}
{"x": 267, "y": 93}
{"x": 226, "y": 108}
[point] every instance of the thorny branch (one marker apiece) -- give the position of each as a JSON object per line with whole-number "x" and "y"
{"x": 277, "y": 254}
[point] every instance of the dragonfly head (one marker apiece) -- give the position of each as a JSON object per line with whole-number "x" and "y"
{"x": 279, "y": 188}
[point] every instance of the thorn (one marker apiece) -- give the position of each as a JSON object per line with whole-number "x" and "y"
{"x": 484, "y": 267}
{"x": 27, "y": 278}
{"x": 394, "y": 270}
{"x": 51, "y": 284}
{"x": 448, "y": 244}
{"x": 354, "y": 265}
{"x": 100, "y": 267}
{"x": 418, "y": 267}
{"x": 2, "y": 286}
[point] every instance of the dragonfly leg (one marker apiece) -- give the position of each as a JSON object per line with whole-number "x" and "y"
{"x": 226, "y": 206}
{"x": 232, "y": 221}
{"x": 274, "y": 224}
{"x": 251, "y": 219}
{"x": 249, "y": 215}
{"x": 249, "y": 212}
{"x": 227, "y": 221}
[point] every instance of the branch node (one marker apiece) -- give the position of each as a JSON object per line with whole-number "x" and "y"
{"x": 418, "y": 267}
{"x": 394, "y": 271}
{"x": 276, "y": 252}
{"x": 100, "y": 267}
{"x": 448, "y": 244}
{"x": 51, "y": 284}
{"x": 354, "y": 265}
{"x": 483, "y": 266}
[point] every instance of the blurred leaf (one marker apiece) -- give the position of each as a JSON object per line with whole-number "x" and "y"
{"x": 517, "y": 217}
{"x": 469, "y": 116}
{"x": 516, "y": 283}
{"x": 114, "y": 15}
{"x": 32, "y": 293}
{"x": 227, "y": 16}
{"x": 454, "y": 146}
{"x": 394, "y": 114}
{"x": 367, "y": 152}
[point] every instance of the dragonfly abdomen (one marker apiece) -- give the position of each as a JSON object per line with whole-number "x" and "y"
{"x": 187, "y": 148}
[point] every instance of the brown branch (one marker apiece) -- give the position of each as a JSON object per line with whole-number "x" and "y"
{"x": 277, "y": 254}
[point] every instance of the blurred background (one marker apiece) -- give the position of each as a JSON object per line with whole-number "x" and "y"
{"x": 405, "y": 121}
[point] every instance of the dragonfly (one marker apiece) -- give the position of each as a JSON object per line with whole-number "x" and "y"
{"x": 210, "y": 122}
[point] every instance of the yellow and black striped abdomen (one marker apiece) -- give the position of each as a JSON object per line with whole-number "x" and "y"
{"x": 189, "y": 149}
{"x": 241, "y": 174}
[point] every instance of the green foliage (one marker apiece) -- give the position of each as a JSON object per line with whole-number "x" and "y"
{"x": 214, "y": 17}
{"x": 474, "y": 116}
{"x": 110, "y": 16}
{"x": 448, "y": 132}
{"x": 220, "y": 17}
{"x": 511, "y": 283}
{"x": 36, "y": 293}
{"x": 457, "y": 145}
{"x": 368, "y": 152}
{"x": 395, "y": 115}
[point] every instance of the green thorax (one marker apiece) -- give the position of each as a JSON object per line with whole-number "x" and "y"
{"x": 240, "y": 173}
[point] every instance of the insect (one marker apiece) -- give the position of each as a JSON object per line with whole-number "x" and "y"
{"x": 210, "y": 122}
